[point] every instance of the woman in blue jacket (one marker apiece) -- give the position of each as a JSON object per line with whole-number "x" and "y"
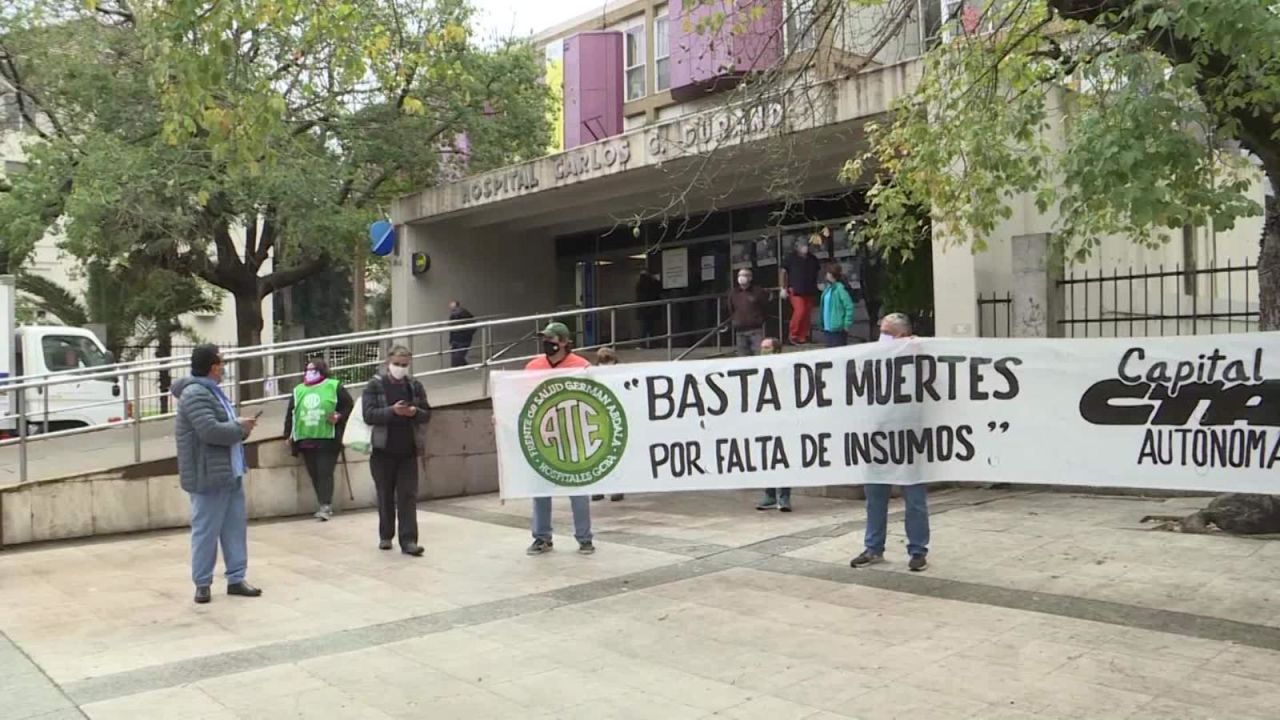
{"x": 837, "y": 308}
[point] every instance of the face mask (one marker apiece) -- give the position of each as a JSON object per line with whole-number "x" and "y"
{"x": 313, "y": 377}
{"x": 398, "y": 372}
{"x": 550, "y": 349}
{"x": 887, "y": 339}
{"x": 744, "y": 281}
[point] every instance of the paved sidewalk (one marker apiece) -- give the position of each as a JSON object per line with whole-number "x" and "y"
{"x": 1036, "y": 605}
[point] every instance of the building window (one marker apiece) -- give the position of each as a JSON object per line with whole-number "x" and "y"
{"x": 661, "y": 54}
{"x": 633, "y": 60}
{"x": 10, "y": 115}
{"x": 799, "y": 29}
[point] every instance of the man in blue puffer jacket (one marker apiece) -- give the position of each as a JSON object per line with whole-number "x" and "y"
{"x": 211, "y": 468}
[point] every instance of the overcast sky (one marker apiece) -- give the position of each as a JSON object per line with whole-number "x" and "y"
{"x": 506, "y": 18}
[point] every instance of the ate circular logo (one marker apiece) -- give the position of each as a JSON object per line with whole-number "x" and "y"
{"x": 573, "y": 431}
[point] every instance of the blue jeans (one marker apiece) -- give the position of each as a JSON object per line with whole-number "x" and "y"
{"x": 581, "y": 518}
{"x": 748, "y": 342}
{"x": 777, "y": 494}
{"x": 917, "y": 500}
{"x": 835, "y": 339}
{"x": 219, "y": 517}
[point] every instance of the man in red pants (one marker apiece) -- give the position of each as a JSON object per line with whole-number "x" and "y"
{"x": 800, "y": 272}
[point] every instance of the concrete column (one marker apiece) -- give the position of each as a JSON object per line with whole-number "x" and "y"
{"x": 1038, "y": 299}
{"x": 490, "y": 273}
{"x": 955, "y": 290}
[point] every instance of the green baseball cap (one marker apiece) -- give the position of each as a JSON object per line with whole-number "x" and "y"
{"x": 556, "y": 330}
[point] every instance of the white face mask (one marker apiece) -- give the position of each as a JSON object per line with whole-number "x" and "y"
{"x": 887, "y": 339}
{"x": 398, "y": 372}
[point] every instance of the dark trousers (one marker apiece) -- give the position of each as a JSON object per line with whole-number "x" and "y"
{"x": 320, "y": 464}
{"x": 396, "y": 479}
{"x": 650, "y": 322}
{"x": 835, "y": 339}
{"x": 459, "y": 353}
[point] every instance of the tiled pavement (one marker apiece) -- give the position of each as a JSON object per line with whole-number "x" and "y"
{"x": 1036, "y": 605}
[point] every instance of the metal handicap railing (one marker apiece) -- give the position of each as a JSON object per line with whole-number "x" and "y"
{"x": 502, "y": 342}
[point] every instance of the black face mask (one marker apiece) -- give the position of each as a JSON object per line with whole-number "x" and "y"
{"x": 550, "y": 349}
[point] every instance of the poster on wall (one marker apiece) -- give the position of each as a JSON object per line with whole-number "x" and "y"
{"x": 1194, "y": 413}
{"x": 766, "y": 251}
{"x": 675, "y": 269}
{"x": 708, "y": 268}
{"x": 740, "y": 254}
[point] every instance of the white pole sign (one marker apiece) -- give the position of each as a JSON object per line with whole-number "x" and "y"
{"x": 1189, "y": 413}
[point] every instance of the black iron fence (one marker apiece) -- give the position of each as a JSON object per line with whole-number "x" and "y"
{"x": 995, "y": 315}
{"x": 1161, "y": 301}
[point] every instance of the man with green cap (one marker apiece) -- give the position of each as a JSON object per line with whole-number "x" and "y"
{"x": 557, "y": 354}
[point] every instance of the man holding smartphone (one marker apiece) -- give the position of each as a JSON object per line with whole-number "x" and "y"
{"x": 212, "y": 468}
{"x": 395, "y": 407}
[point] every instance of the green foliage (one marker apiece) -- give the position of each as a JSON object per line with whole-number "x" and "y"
{"x": 1156, "y": 95}
{"x": 135, "y": 308}
{"x": 250, "y": 142}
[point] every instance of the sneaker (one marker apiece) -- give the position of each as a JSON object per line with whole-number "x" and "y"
{"x": 784, "y": 505}
{"x": 324, "y": 513}
{"x": 918, "y": 563}
{"x": 586, "y": 548}
{"x": 203, "y": 595}
{"x": 768, "y": 504}
{"x": 384, "y": 544}
{"x": 867, "y": 558}
{"x": 539, "y": 547}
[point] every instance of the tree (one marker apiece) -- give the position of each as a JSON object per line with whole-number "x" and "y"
{"x": 1172, "y": 107}
{"x": 253, "y": 140}
{"x": 137, "y": 306}
{"x": 1161, "y": 96}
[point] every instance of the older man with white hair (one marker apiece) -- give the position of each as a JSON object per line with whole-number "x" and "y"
{"x": 895, "y": 328}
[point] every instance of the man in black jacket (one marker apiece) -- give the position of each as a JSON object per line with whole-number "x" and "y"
{"x": 395, "y": 408}
{"x": 460, "y": 340}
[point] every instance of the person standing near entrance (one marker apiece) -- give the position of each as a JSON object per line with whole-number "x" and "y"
{"x": 837, "y": 308}
{"x": 314, "y": 421}
{"x": 748, "y": 309}
{"x": 557, "y": 354}
{"x": 648, "y": 289}
{"x": 395, "y": 407}
{"x": 211, "y": 469}
{"x": 774, "y": 498}
{"x": 896, "y": 328}
{"x": 800, "y": 273}
{"x": 460, "y": 340}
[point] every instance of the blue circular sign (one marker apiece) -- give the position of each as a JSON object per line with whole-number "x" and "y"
{"x": 382, "y": 238}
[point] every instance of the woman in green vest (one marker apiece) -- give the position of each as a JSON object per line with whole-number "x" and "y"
{"x": 317, "y": 415}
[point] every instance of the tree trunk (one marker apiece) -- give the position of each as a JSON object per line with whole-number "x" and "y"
{"x": 248, "y": 373}
{"x": 1269, "y": 265}
{"x": 358, "y": 314}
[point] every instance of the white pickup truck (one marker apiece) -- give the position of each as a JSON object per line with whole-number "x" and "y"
{"x": 31, "y": 352}
{"x": 40, "y": 350}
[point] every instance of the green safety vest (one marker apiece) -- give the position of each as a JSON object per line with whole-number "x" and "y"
{"x": 312, "y": 406}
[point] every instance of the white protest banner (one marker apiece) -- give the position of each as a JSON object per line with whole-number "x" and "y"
{"x": 1190, "y": 413}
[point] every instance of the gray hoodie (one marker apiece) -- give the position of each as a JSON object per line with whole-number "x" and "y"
{"x": 205, "y": 436}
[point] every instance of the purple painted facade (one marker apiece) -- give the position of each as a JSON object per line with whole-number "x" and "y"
{"x": 592, "y": 87}
{"x": 707, "y": 61}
